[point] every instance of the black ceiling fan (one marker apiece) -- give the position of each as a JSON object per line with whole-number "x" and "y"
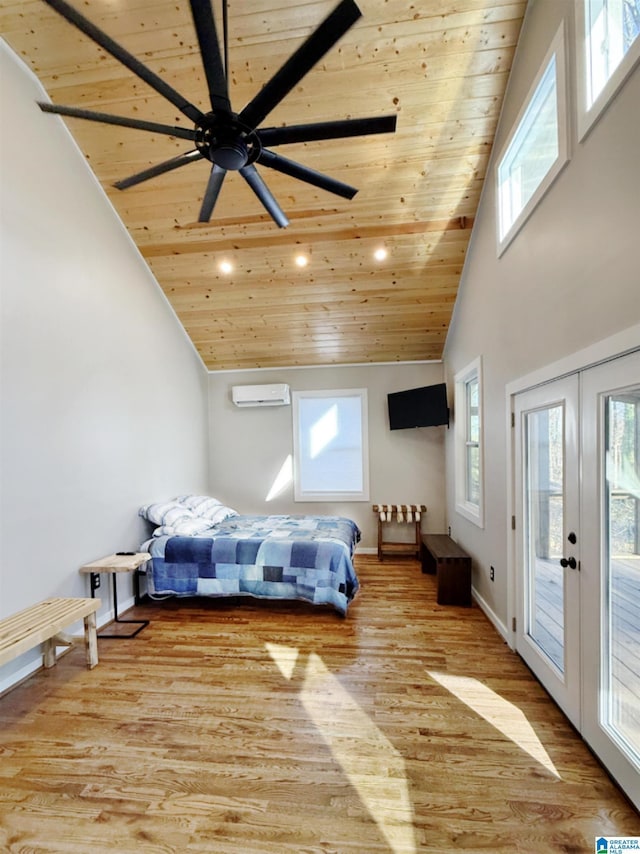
{"x": 234, "y": 141}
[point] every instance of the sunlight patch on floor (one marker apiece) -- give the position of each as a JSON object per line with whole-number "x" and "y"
{"x": 371, "y": 763}
{"x": 497, "y": 711}
{"x": 284, "y": 656}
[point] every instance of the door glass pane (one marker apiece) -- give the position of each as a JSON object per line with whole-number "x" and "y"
{"x": 621, "y": 671}
{"x": 544, "y": 506}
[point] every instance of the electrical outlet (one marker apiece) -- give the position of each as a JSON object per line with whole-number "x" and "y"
{"x": 492, "y": 573}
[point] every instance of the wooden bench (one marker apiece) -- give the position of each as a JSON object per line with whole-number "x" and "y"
{"x": 440, "y": 554}
{"x": 42, "y": 622}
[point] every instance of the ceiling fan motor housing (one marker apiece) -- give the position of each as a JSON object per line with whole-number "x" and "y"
{"x": 227, "y": 142}
{"x": 231, "y": 154}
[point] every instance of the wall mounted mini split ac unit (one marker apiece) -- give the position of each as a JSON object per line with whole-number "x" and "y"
{"x": 272, "y": 394}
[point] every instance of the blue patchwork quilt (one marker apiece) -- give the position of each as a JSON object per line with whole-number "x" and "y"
{"x": 273, "y": 557}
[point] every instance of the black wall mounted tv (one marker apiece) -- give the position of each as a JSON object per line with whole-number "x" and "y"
{"x": 418, "y": 407}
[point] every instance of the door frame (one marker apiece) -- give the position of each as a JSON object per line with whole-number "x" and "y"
{"x": 626, "y": 341}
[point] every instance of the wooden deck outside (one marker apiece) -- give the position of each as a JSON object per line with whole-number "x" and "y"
{"x": 276, "y": 728}
{"x": 625, "y": 648}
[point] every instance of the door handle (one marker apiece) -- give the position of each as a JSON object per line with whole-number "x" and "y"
{"x": 569, "y": 562}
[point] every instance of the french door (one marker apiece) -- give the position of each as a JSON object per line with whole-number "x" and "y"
{"x": 578, "y": 553}
{"x": 548, "y": 539}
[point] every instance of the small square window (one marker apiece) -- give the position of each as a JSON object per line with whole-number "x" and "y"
{"x": 330, "y": 445}
{"x": 537, "y": 147}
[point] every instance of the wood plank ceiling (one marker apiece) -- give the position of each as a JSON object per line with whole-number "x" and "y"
{"x": 440, "y": 65}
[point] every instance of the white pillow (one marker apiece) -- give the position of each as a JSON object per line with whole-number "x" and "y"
{"x": 196, "y": 502}
{"x": 183, "y": 528}
{"x": 205, "y": 507}
{"x": 219, "y": 514}
{"x": 165, "y": 512}
{"x": 189, "y": 513}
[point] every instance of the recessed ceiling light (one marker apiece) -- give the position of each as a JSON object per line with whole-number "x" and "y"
{"x": 301, "y": 260}
{"x": 225, "y": 267}
{"x": 380, "y": 254}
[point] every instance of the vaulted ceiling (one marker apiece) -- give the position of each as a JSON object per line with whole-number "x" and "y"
{"x": 441, "y": 66}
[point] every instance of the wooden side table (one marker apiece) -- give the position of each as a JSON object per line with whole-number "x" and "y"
{"x": 113, "y": 564}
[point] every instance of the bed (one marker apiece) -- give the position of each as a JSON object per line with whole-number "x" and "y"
{"x": 200, "y": 547}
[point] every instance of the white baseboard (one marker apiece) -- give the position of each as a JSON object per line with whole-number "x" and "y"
{"x": 122, "y": 607}
{"x": 20, "y": 675}
{"x": 33, "y": 666}
{"x": 491, "y": 616}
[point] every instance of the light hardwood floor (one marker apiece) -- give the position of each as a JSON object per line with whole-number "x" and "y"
{"x": 249, "y": 727}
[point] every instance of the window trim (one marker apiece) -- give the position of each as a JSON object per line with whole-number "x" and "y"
{"x": 589, "y": 116}
{"x": 558, "y": 50}
{"x": 298, "y": 493}
{"x": 474, "y": 513}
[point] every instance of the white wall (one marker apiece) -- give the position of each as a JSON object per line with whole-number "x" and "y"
{"x": 569, "y": 279}
{"x": 103, "y": 399}
{"x": 249, "y": 446}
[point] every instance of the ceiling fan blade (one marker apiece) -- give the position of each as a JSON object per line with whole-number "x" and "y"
{"x": 326, "y": 130}
{"x": 253, "y": 179}
{"x": 107, "y": 118}
{"x": 211, "y": 193}
{"x": 297, "y": 170}
{"x": 211, "y": 56}
{"x": 308, "y": 54}
{"x": 159, "y": 169}
{"x": 74, "y": 17}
